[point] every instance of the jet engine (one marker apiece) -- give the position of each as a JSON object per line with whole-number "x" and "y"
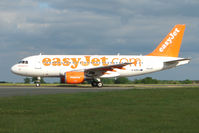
{"x": 73, "y": 78}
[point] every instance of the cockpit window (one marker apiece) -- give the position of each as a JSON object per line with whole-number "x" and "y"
{"x": 23, "y": 62}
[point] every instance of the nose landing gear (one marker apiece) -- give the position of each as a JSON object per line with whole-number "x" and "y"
{"x": 37, "y": 83}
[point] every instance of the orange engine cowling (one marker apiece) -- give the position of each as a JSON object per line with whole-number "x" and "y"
{"x": 73, "y": 78}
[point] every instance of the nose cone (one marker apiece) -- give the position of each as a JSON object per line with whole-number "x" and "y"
{"x": 14, "y": 69}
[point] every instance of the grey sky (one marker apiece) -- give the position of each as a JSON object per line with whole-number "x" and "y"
{"x": 29, "y": 27}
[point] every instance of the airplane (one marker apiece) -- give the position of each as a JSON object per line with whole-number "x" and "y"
{"x": 75, "y": 69}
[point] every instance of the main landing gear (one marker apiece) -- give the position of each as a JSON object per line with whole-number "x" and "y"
{"x": 37, "y": 83}
{"x": 97, "y": 83}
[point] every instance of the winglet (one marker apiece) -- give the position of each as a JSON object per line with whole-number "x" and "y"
{"x": 170, "y": 46}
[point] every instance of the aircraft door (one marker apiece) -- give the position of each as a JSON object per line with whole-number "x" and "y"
{"x": 37, "y": 62}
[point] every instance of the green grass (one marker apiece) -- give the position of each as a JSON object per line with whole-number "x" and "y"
{"x": 131, "y": 111}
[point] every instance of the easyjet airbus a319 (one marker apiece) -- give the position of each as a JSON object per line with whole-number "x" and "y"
{"x": 75, "y": 69}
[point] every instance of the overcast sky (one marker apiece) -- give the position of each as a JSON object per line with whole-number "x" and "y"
{"x": 29, "y": 27}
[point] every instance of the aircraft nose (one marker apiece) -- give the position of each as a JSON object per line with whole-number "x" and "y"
{"x": 14, "y": 69}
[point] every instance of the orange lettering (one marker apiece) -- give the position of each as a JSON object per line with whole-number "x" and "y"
{"x": 135, "y": 61}
{"x": 104, "y": 61}
{"x": 114, "y": 60}
{"x": 66, "y": 62}
{"x": 87, "y": 62}
{"x": 46, "y": 61}
{"x": 56, "y": 62}
{"x": 75, "y": 62}
{"x": 139, "y": 60}
{"x": 121, "y": 60}
{"x": 95, "y": 61}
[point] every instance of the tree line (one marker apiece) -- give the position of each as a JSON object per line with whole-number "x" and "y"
{"x": 33, "y": 79}
{"x": 147, "y": 80}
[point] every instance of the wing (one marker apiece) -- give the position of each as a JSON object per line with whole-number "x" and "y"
{"x": 101, "y": 70}
{"x": 108, "y": 67}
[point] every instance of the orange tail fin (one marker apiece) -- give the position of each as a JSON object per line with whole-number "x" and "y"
{"x": 170, "y": 46}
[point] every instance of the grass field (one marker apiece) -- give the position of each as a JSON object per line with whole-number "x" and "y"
{"x": 173, "y": 110}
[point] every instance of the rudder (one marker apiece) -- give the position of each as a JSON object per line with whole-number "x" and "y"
{"x": 170, "y": 46}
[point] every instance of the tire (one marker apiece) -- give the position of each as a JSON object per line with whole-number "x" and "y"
{"x": 100, "y": 84}
{"x": 37, "y": 85}
{"x": 94, "y": 84}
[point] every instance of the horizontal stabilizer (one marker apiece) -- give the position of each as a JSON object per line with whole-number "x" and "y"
{"x": 174, "y": 63}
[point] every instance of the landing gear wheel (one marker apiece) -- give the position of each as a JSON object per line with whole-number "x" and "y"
{"x": 94, "y": 84}
{"x": 100, "y": 84}
{"x": 97, "y": 84}
{"x": 37, "y": 85}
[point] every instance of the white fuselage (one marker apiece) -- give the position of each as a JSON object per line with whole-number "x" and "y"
{"x": 57, "y": 65}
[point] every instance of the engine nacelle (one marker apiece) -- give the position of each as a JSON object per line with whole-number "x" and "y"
{"x": 73, "y": 78}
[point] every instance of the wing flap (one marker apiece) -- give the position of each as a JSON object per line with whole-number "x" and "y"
{"x": 108, "y": 68}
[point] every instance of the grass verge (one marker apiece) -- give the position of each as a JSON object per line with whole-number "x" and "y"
{"x": 173, "y": 110}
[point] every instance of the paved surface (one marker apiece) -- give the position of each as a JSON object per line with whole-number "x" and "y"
{"x": 6, "y": 91}
{"x": 23, "y": 91}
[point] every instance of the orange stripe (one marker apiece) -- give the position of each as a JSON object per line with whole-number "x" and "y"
{"x": 106, "y": 73}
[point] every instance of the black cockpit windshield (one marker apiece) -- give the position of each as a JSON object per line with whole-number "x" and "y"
{"x": 23, "y": 62}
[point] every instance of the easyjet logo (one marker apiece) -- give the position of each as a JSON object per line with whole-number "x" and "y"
{"x": 75, "y": 77}
{"x": 169, "y": 40}
{"x": 88, "y": 60}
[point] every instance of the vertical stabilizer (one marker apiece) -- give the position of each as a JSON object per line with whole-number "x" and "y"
{"x": 170, "y": 46}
